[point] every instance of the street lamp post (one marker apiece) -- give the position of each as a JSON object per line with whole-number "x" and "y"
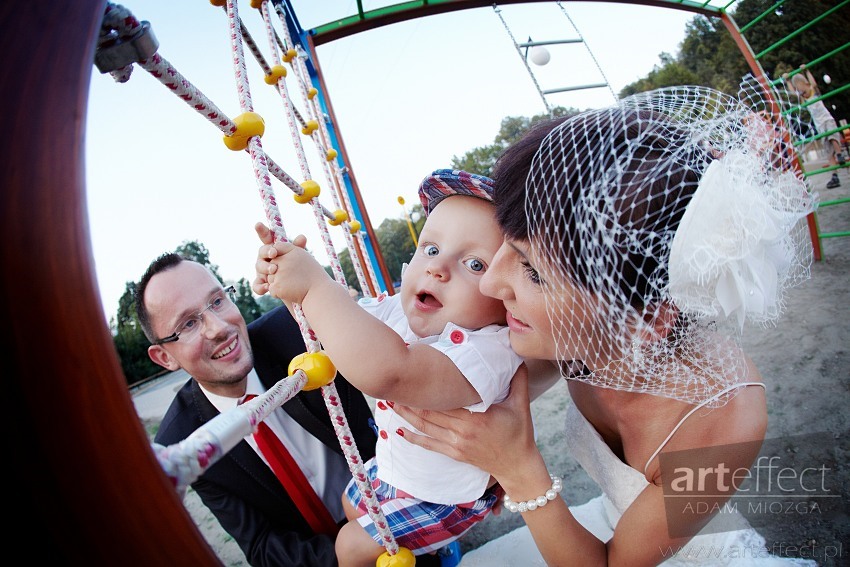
{"x": 409, "y": 222}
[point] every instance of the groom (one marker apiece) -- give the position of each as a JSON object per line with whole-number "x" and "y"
{"x": 192, "y": 324}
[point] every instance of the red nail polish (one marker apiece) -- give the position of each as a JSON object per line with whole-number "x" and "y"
{"x": 400, "y": 432}
{"x": 391, "y": 404}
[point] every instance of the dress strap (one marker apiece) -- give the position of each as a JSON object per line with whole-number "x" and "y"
{"x": 692, "y": 410}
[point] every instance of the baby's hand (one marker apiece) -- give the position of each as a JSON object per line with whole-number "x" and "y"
{"x": 264, "y": 268}
{"x": 270, "y": 262}
{"x": 293, "y": 271}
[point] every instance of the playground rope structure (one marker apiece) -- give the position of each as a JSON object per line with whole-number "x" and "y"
{"x": 125, "y": 41}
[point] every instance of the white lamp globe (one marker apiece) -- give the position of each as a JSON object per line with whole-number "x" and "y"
{"x": 539, "y": 55}
{"x": 827, "y": 79}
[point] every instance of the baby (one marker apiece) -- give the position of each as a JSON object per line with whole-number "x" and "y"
{"x": 439, "y": 344}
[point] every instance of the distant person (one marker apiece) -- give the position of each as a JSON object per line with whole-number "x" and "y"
{"x": 438, "y": 344}
{"x": 806, "y": 87}
{"x": 193, "y": 324}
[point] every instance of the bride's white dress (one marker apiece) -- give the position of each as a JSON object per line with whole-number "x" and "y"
{"x": 620, "y": 485}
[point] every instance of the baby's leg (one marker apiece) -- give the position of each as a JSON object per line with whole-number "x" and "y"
{"x": 355, "y": 547}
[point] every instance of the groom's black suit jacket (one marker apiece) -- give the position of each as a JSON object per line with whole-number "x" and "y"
{"x": 240, "y": 489}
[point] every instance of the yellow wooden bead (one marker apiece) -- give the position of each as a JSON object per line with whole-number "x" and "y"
{"x": 331, "y": 155}
{"x": 310, "y": 127}
{"x": 312, "y": 93}
{"x": 311, "y": 189}
{"x": 289, "y": 55}
{"x": 276, "y": 73}
{"x": 404, "y": 558}
{"x": 248, "y": 125}
{"x": 257, "y": 3}
{"x": 317, "y": 366}
{"x": 218, "y": 3}
{"x": 340, "y": 216}
{"x": 354, "y": 227}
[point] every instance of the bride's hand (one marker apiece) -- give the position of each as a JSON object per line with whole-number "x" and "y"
{"x": 494, "y": 441}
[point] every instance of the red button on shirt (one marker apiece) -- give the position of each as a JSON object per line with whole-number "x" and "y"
{"x": 456, "y": 337}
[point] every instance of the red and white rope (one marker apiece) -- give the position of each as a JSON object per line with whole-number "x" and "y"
{"x": 185, "y": 461}
{"x": 173, "y": 80}
{"x": 338, "y": 419}
{"x": 329, "y": 392}
{"x": 333, "y": 174}
{"x": 289, "y": 112}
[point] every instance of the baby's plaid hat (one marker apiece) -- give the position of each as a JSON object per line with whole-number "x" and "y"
{"x": 447, "y": 182}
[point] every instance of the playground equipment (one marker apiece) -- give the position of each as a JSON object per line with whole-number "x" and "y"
{"x": 753, "y": 59}
{"x": 125, "y": 41}
{"x": 92, "y": 489}
{"x": 540, "y": 56}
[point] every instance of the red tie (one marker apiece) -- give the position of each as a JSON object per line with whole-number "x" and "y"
{"x": 293, "y": 480}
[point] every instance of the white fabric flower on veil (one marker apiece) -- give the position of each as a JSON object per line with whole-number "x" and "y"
{"x": 734, "y": 248}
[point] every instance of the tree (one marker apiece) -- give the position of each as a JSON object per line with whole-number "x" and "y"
{"x": 670, "y": 73}
{"x": 347, "y": 267}
{"x": 266, "y": 303}
{"x": 126, "y": 314}
{"x": 481, "y": 160}
{"x": 396, "y": 245}
{"x": 709, "y": 56}
{"x": 194, "y": 250}
{"x": 132, "y": 347}
{"x": 129, "y": 339}
{"x": 245, "y": 301}
{"x": 821, "y": 38}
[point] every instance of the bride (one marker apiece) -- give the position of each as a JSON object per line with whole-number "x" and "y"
{"x": 640, "y": 240}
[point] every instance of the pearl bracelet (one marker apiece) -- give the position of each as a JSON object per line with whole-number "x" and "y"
{"x": 535, "y": 503}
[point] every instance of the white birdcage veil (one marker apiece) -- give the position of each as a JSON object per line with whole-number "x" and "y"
{"x": 659, "y": 227}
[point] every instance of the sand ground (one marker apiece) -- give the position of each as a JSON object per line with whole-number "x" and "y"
{"x": 805, "y": 362}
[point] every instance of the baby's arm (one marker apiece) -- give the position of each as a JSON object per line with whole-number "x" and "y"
{"x": 366, "y": 351}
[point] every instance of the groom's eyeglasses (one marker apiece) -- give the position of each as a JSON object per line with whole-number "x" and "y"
{"x": 190, "y": 327}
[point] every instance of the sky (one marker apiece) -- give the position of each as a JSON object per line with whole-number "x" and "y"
{"x": 408, "y": 97}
